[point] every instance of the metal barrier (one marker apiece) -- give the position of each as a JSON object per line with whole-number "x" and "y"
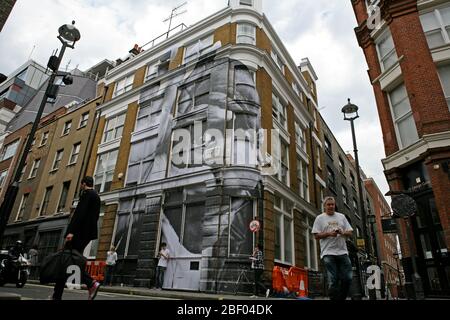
{"x": 96, "y": 270}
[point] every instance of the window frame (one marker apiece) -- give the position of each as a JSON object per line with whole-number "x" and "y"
{"x": 281, "y": 214}
{"x": 76, "y": 149}
{"x": 105, "y": 173}
{"x": 240, "y": 34}
{"x": 57, "y": 161}
{"x": 67, "y": 127}
{"x": 126, "y": 85}
{"x": 115, "y": 129}
{"x": 34, "y": 168}
{"x": 382, "y": 59}
{"x": 84, "y": 120}
{"x": 22, "y": 207}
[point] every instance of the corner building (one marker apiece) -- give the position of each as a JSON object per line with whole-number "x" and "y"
{"x": 227, "y": 74}
{"x": 408, "y": 55}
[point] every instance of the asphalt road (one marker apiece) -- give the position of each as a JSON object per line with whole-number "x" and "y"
{"x": 38, "y": 292}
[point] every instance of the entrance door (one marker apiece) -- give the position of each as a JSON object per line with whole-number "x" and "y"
{"x": 431, "y": 247}
{"x": 182, "y": 231}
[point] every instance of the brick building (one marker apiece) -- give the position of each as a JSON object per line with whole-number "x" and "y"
{"x": 5, "y": 9}
{"x": 408, "y": 55}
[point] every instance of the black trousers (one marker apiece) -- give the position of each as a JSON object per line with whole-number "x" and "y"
{"x": 85, "y": 277}
{"x": 258, "y": 283}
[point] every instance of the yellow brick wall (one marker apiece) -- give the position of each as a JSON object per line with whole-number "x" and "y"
{"x": 226, "y": 34}
{"x": 262, "y": 40}
{"x": 178, "y": 60}
{"x": 125, "y": 146}
{"x": 106, "y": 231}
{"x": 139, "y": 77}
{"x": 97, "y": 140}
{"x": 264, "y": 88}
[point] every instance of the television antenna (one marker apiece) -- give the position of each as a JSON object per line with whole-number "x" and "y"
{"x": 175, "y": 14}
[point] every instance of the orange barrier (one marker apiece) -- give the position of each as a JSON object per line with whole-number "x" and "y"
{"x": 96, "y": 270}
{"x": 293, "y": 280}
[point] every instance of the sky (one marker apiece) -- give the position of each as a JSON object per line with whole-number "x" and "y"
{"x": 321, "y": 30}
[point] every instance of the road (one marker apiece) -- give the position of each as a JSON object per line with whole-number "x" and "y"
{"x": 38, "y": 292}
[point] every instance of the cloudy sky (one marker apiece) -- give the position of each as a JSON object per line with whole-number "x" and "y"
{"x": 321, "y": 30}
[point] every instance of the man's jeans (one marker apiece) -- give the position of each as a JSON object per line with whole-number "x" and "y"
{"x": 340, "y": 273}
{"x": 160, "y": 277}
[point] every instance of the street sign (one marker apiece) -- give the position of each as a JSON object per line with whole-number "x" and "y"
{"x": 389, "y": 226}
{"x": 404, "y": 206}
{"x": 255, "y": 226}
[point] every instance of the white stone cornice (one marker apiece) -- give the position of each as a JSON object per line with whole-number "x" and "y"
{"x": 414, "y": 152}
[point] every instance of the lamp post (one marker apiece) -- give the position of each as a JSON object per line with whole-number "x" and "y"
{"x": 68, "y": 35}
{"x": 400, "y": 287}
{"x": 350, "y": 112}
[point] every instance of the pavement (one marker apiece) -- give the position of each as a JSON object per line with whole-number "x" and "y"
{"x": 172, "y": 294}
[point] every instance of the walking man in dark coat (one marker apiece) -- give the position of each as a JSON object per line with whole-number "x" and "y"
{"x": 83, "y": 229}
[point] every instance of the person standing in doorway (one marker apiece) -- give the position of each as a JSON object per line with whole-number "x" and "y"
{"x": 162, "y": 265}
{"x": 83, "y": 229}
{"x": 111, "y": 259}
{"x": 258, "y": 267}
{"x": 332, "y": 229}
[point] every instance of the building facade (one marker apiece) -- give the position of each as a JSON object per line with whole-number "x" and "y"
{"x": 173, "y": 156}
{"x": 408, "y": 54}
{"x": 5, "y": 9}
{"x": 49, "y": 186}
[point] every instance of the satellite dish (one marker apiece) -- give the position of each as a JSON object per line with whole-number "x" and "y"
{"x": 404, "y": 206}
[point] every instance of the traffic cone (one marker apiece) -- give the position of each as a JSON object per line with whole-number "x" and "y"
{"x": 302, "y": 290}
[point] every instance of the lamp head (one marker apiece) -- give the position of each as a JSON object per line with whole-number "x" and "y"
{"x": 350, "y": 111}
{"x": 69, "y": 32}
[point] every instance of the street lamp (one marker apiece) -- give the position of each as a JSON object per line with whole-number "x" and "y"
{"x": 68, "y": 35}
{"x": 350, "y": 112}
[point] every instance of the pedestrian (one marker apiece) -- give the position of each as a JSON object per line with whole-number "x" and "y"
{"x": 162, "y": 265}
{"x": 258, "y": 268}
{"x": 332, "y": 229}
{"x": 33, "y": 256}
{"x": 82, "y": 229}
{"x": 111, "y": 258}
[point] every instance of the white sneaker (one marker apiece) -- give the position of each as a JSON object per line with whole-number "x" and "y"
{"x": 253, "y": 297}
{"x": 267, "y": 293}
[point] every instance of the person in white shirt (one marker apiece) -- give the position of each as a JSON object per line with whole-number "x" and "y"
{"x": 111, "y": 260}
{"x": 162, "y": 265}
{"x": 332, "y": 229}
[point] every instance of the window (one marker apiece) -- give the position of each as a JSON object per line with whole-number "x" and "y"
{"x": 84, "y": 120}
{"x": 3, "y": 176}
{"x": 283, "y": 174}
{"x": 188, "y": 155}
{"x": 193, "y": 95}
{"x": 355, "y": 206}
{"x": 114, "y": 128}
{"x": 141, "y": 161}
{"x": 75, "y": 152}
{"x": 302, "y": 176}
{"x": 35, "y": 168}
{"x": 45, "y": 201}
{"x": 279, "y": 111}
{"x": 242, "y": 212}
{"x": 444, "y": 75}
{"x": 63, "y": 197}
{"x": 58, "y": 158}
{"x": 297, "y": 90}
{"x": 328, "y": 148}
{"x": 276, "y": 57}
{"x": 386, "y": 51}
{"x": 284, "y": 231}
{"x": 22, "y": 207}
{"x": 311, "y": 258}
{"x": 345, "y": 195}
{"x": 157, "y": 68}
{"x": 44, "y": 139}
{"x": 436, "y": 25}
{"x": 319, "y": 157}
{"x": 104, "y": 172}
{"x": 246, "y": 2}
{"x": 403, "y": 117}
{"x": 353, "y": 180}
{"x": 23, "y": 172}
{"x": 67, "y": 127}
{"x": 246, "y": 33}
{"x": 300, "y": 136}
{"x": 244, "y": 84}
{"x": 149, "y": 114}
{"x": 198, "y": 48}
{"x": 9, "y": 150}
{"x": 22, "y": 75}
{"x": 342, "y": 165}
{"x": 124, "y": 85}
{"x": 331, "y": 179}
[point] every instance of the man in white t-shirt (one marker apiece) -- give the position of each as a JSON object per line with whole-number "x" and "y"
{"x": 162, "y": 265}
{"x": 332, "y": 229}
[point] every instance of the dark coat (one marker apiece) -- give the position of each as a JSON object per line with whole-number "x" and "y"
{"x": 83, "y": 224}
